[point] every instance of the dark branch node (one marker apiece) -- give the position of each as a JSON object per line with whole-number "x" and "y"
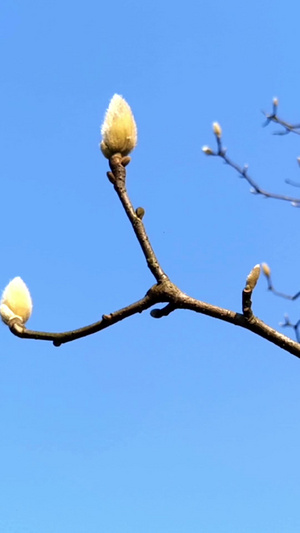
{"x": 165, "y": 311}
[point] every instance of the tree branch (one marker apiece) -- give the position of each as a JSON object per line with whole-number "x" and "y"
{"x": 281, "y": 294}
{"x": 273, "y": 117}
{"x": 18, "y": 328}
{"x": 118, "y": 177}
{"x": 164, "y": 291}
{"x": 243, "y": 170}
{"x": 253, "y": 324}
{"x": 289, "y": 324}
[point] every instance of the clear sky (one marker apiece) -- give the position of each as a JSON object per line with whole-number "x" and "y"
{"x": 177, "y": 425}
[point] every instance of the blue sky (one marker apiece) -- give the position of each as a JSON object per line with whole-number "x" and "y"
{"x": 172, "y": 425}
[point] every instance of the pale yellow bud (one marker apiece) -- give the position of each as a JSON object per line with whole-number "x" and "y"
{"x": 252, "y": 278}
{"x": 275, "y": 101}
{"x": 266, "y": 269}
{"x": 207, "y": 150}
{"x": 119, "y": 132}
{"x": 217, "y": 129}
{"x": 16, "y": 301}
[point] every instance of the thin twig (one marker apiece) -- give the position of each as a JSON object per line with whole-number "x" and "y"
{"x": 107, "y": 320}
{"x": 163, "y": 292}
{"x": 243, "y": 170}
{"x": 272, "y": 289}
{"x": 295, "y": 327}
{"x": 118, "y": 178}
{"x": 288, "y": 128}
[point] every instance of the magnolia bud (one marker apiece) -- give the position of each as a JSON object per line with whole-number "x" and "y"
{"x": 16, "y": 301}
{"x": 252, "y": 278}
{"x": 266, "y": 269}
{"x": 119, "y": 132}
{"x": 217, "y": 129}
{"x": 275, "y": 101}
{"x": 207, "y": 150}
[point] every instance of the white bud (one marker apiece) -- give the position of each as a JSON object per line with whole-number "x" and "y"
{"x": 266, "y": 269}
{"x": 217, "y": 129}
{"x": 119, "y": 131}
{"x": 207, "y": 150}
{"x": 252, "y": 278}
{"x": 16, "y": 301}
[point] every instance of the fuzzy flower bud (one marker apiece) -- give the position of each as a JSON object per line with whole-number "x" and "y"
{"x": 16, "y": 301}
{"x": 275, "y": 101}
{"x": 119, "y": 132}
{"x": 217, "y": 129}
{"x": 252, "y": 278}
{"x": 266, "y": 269}
{"x": 207, "y": 150}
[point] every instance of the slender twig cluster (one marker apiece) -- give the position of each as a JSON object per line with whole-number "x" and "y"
{"x": 244, "y": 170}
{"x": 273, "y": 117}
{"x": 286, "y": 323}
{"x": 267, "y": 272}
{"x": 256, "y": 189}
{"x": 119, "y": 139}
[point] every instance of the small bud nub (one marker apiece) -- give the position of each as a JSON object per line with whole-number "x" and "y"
{"x": 140, "y": 211}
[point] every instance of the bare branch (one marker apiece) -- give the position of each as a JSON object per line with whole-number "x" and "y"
{"x": 164, "y": 291}
{"x": 273, "y": 117}
{"x": 253, "y": 323}
{"x": 267, "y": 272}
{"x": 243, "y": 170}
{"x": 118, "y": 177}
{"x": 18, "y": 329}
{"x": 295, "y": 327}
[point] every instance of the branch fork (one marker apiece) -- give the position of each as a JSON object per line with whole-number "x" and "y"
{"x": 164, "y": 291}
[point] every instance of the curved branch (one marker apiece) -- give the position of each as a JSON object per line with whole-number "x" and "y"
{"x": 253, "y": 323}
{"x": 272, "y": 289}
{"x": 164, "y": 291}
{"x": 18, "y": 329}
